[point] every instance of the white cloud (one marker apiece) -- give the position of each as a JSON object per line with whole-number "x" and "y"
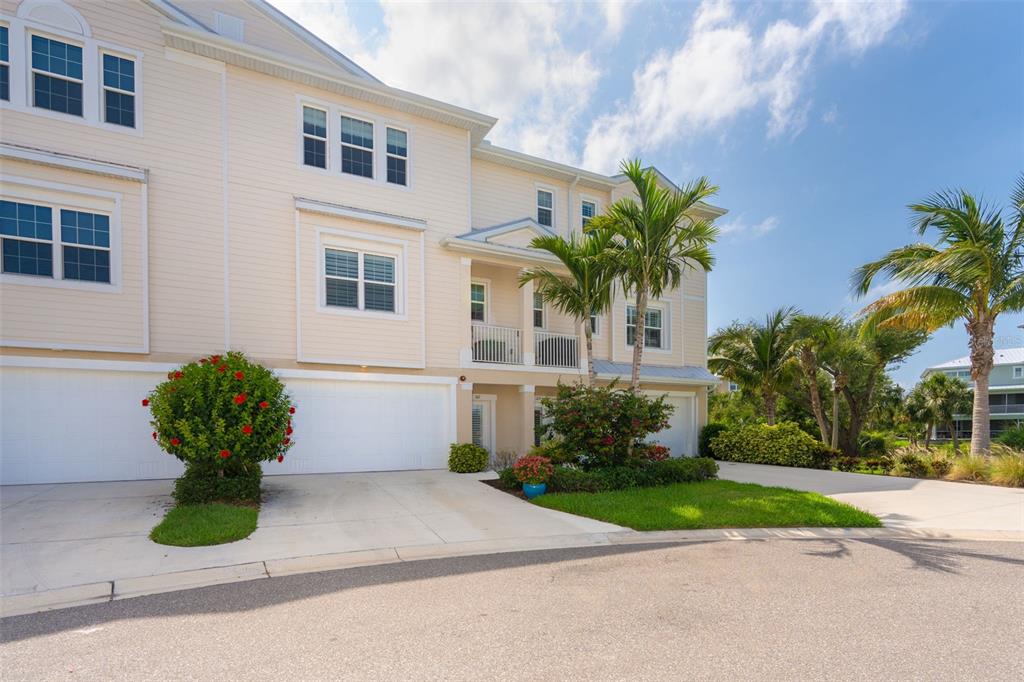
{"x": 504, "y": 59}
{"x": 725, "y": 68}
{"x": 739, "y": 229}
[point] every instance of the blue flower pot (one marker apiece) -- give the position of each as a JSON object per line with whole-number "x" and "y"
{"x": 532, "y": 490}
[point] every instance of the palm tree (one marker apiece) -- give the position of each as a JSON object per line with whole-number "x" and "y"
{"x": 974, "y": 273}
{"x": 941, "y": 398}
{"x": 657, "y": 239}
{"x": 757, "y": 357}
{"x": 586, "y": 291}
{"x": 810, "y": 334}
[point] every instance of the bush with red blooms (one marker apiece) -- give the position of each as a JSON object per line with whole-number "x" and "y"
{"x": 532, "y": 469}
{"x": 222, "y": 416}
{"x": 654, "y": 453}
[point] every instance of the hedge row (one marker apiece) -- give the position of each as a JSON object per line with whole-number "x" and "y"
{"x": 783, "y": 444}
{"x": 567, "y": 479}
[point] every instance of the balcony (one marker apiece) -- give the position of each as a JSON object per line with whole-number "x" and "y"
{"x": 498, "y": 345}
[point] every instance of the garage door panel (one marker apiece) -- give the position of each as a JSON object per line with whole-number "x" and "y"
{"x": 681, "y": 436}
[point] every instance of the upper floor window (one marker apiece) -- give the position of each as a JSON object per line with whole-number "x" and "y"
{"x": 356, "y": 147}
{"x": 118, "y": 90}
{"x": 314, "y": 137}
{"x": 545, "y": 207}
{"x": 56, "y": 76}
{"x": 397, "y": 156}
{"x": 588, "y": 209}
{"x": 964, "y": 374}
{"x": 1018, "y": 372}
{"x": 29, "y": 247}
{"x": 538, "y": 310}
{"x": 652, "y": 327}
{"x": 595, "y": 324}
{"x": 478, "y": 301}
{"x": 358, "y": 280}
{"x": 5, "y": 64}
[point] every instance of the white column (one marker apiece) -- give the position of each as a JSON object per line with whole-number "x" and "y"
{"x": 526, "y": 406}
{"x": 526, "y": 292}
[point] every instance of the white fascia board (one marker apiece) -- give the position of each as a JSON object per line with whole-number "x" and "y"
{"x": 487, "y": 248}
{"x": 48, "y": 158}
{"x": 340, "y": 211}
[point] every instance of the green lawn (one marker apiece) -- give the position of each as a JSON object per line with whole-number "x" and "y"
{"x": 193, "y": 525}
{"x": 710, "y": 504}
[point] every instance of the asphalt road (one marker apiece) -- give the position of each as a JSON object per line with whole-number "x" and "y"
{"x": 778, "y": 609}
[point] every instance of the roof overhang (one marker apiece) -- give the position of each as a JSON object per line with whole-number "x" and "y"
{"x": 213, "y": 46}
{"x": 511, "y": 254}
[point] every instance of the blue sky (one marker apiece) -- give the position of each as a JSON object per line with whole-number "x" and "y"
{"x": 820, "y": 121}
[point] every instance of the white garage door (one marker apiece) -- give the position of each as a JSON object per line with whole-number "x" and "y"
{"x": 681, "y": 435}
{"x": 63, "y": 425}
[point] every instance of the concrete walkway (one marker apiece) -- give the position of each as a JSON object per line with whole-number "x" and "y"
{"x": 900, "y": 502}
{"x": 55, "y": 536}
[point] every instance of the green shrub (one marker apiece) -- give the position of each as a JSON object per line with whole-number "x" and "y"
{"x": 508, "y": 479}
{"x": 467, "y": 458}
{"x": 1007, "y": 466}
{"x": 969, "y": 468}
{"x": 909, "y": 464}
{"x": 640, "y": 475}
{"x": 555, "y": 450}
{"x": 222, "y": 416}
{"x": 876, "y": 444}
{"x": 569, "y": 479}
{"x": 939, "y": 466}
{"x": 600, "y": 425}
{"x": 197, "y": 487}
{"x": 1012, "y": 438}
{"x": 846, "y": 463}
{"x": 707, "y": 434}
{"x": 783, "y": 444}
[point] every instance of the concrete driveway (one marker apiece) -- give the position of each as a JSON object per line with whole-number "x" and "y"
{"x": 899, "y": 502}
{"x": 55, "y": 536}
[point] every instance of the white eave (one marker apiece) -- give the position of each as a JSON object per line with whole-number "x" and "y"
{"x": 232, "y": 52}
{"x": 70, "y": 162}
{"x": 515, "y": 253}
{"x": 353, "y": 213}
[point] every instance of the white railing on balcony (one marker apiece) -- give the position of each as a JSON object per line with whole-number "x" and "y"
{"x": 556, "y": 350}
{"x": 497, "y": 344}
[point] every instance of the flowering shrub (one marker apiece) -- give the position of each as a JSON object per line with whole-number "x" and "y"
{"x": 222, "y": 416}
{"x": 532, "y": 469}
{"x": 654, "y": 452}
{"x": 600, "y": 425}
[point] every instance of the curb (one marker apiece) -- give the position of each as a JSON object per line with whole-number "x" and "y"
{"x": 127, "y": 588}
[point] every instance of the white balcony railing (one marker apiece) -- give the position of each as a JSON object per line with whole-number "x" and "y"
{"x": 497, "y": 344}
{"x": 556, "y": 350}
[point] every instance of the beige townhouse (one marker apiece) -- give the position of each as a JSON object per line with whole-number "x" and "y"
{"x": 183, "y": 178}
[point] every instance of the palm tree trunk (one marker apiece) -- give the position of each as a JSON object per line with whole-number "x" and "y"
{"x": 952, "y": 433}
{"x": 588, "y": 334}
{"x": 638, "y": 335}
{"x": 927, "y": 436}
{"x": 810, "y": 368}
{"x": 980, "y": 333}
{"x": 835, "y": 415}
{"x": 770, "y": 401}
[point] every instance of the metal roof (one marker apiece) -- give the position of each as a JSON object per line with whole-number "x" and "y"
{"x": 1005, "y": 356}
{"x": 662, "y": 373}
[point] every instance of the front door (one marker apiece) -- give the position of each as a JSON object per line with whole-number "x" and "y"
{"x": 483, "y": 422}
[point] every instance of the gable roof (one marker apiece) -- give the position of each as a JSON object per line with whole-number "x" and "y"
{"x": 487, "y": 233}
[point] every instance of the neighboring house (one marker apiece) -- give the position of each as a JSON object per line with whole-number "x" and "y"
{"x": 179, "y": 179}
{"x": 1005, "y": 391}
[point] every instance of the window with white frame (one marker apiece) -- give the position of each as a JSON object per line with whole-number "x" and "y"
{"x": 538, "y": 310}
{"x": 314, "y": 137}
{"x": 588, "y": 209}
{"x": 5, "y": 63}
{"x": 359, "y": 280}
{"x": 56, "y": 75}
{"x": 545, "y": 207}
{"x": 652, "y": 327}
{"x": 356, "y": 147}
{"x": 397, "y": 156}
{"x": 29, "y": 247}
{"x": 478, "y": 302}
{"x": 595, "y": 323}
{"x": 1018, "y": 372}
{"x": 118, "y": 90}
{"x": 964, "y": 374}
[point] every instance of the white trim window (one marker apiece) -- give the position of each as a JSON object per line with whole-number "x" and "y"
{"x": 964, "y": 374}
{"x": 314, "y": 137}
{"x": 653, "y": 329}
{"x": 545, "y": 207}
{"x": 356, "y": 147}
{"x": 539, "y": 320}
{"x": 397, "y": 149}
{"x": 595, "y": 324}
{"x": 360, "y": 280}
{"x": 28, "y": 242}
{"x": 588, "y": 209}
{"x": 1018, "y": 372}
{"x": 478, "y": 301}
{"x": 57, "y": 78}
{"x": 118, "y": 90}
{"x": 5, "y": 63}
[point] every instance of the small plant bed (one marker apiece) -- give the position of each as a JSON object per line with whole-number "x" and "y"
{"x": 196, "y": 525}
{"x": 711, "y": 504}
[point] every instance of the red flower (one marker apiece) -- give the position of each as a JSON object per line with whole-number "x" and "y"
{"x": 288, "y": 431}
{"x": 178, "y": 375}
{"x": 224, "y": 454}
{"x": 286, "y": 441}
{"x": 239, "y": 375}
{"x": 240, "y": 398}
{"x": 215, "y": 359}
{"x": 222, "y": 369}
{"x": 175, "y": 441}
{"x": 291, "y": 410}
{"x": 247, "y": 429}
{"x": 145, "y": 402}
{"x": 280, "y": 458}
{"x": 202, "y": 361}
{"x": 264, "y": 405}
{"x": 607, "y": 440}
{"x": 154, "y": 435}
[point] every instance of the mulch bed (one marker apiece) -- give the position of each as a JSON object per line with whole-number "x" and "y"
{"x": 496, "y": 483}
